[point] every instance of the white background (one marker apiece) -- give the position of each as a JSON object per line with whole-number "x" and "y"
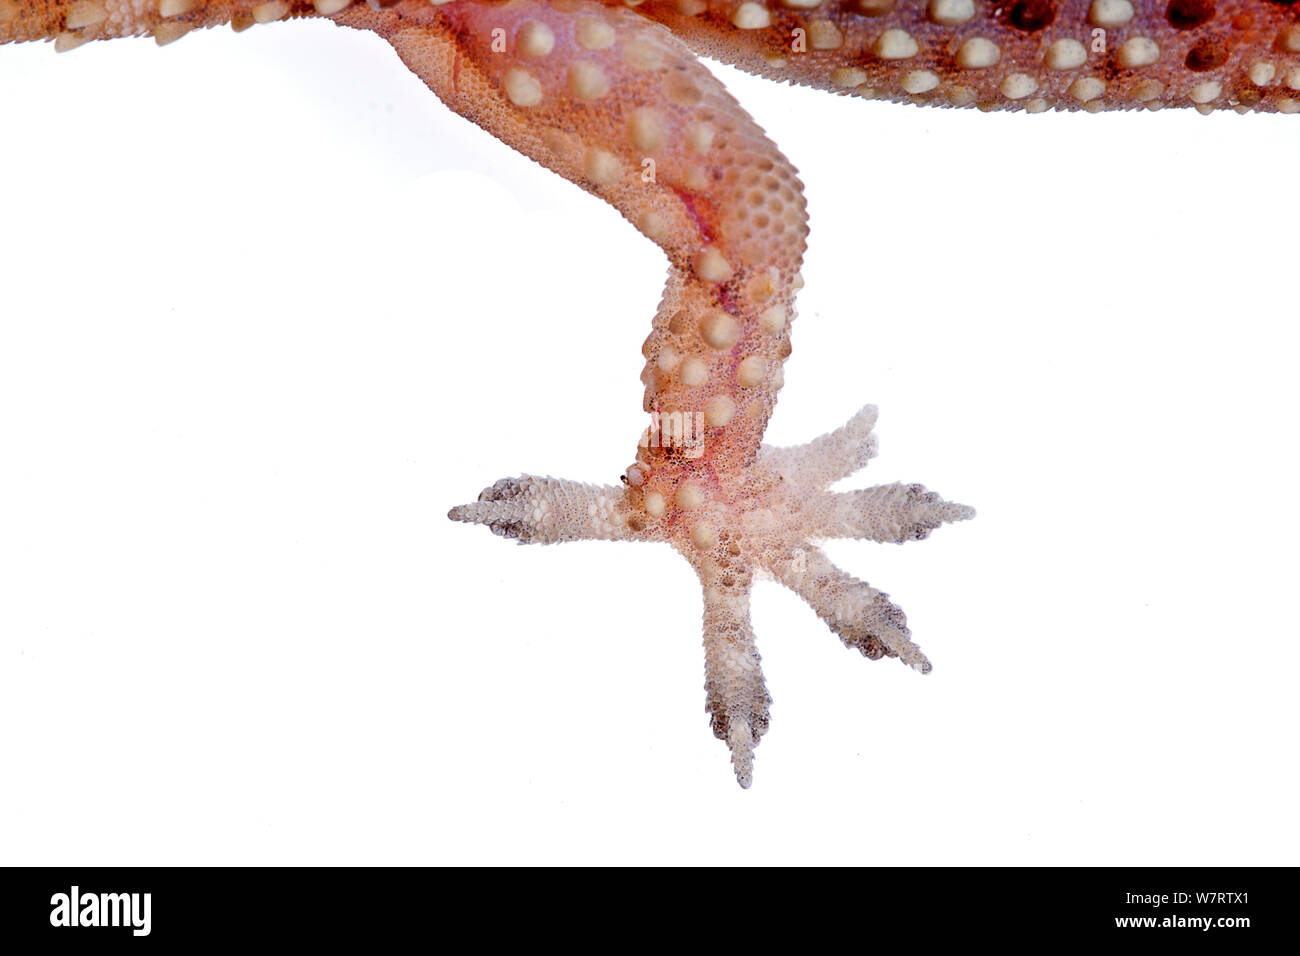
{"x": 267, "y": 310}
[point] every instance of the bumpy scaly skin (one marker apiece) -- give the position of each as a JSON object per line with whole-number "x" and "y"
{"x": 1033, "y": 55}
{"x": 1030, "y": 55}
{"x": 611, "y": 96}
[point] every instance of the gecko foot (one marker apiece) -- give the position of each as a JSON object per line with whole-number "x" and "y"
{"x": 730, "y": 522}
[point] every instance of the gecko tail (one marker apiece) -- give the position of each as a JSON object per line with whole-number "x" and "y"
{"x": 71, "y": 23}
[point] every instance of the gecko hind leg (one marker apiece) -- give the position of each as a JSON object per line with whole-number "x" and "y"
{"x": 622, "y": 108}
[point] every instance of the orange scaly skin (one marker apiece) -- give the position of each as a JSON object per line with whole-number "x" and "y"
{"x": 612, "y": 97}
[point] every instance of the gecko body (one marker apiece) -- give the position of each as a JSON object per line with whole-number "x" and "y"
{"x": 613, "y": 97}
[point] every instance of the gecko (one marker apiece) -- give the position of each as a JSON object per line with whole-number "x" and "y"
{"x": 613, "y": 96}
